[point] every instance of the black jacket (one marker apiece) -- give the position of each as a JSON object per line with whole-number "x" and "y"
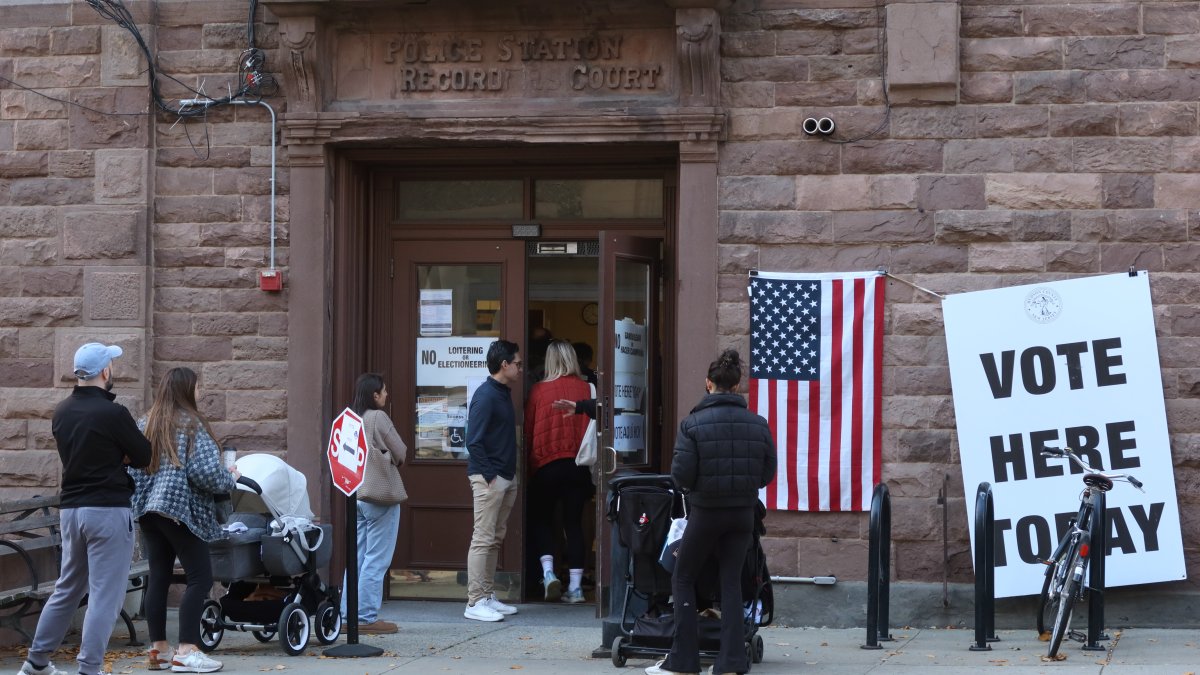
{"x": 723, "y": 454}
{"x": 95, "y": 435}
{"x": 492, "y": 432}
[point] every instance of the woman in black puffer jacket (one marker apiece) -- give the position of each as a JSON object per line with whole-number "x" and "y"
{"x": 723, "y": 455}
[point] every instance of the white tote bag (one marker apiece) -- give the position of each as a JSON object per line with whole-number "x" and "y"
{"x": 590, "y": 445}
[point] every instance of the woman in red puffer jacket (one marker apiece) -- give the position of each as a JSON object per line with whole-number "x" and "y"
{"x": 552, "y": 439}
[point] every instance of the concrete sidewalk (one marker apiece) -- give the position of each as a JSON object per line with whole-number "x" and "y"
{"x": 544, "y": 639}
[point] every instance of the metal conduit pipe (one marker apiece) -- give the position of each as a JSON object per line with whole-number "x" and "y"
{"x": 205, "y": 102}
{"x": 819, "y": 581}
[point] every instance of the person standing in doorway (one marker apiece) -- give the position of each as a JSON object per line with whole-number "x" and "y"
{"x": 379, "y": 501}
{"x": 96, "y": 438}
{"x": 723, "y": 455}
{"x": 552, "y": 441}
{"x": 173, "y": 501}
{"x": 492, "y": 471}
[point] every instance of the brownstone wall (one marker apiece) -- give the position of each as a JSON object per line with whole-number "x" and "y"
{"x": 1071, "y": 150}
{"x": 108, "y": 233}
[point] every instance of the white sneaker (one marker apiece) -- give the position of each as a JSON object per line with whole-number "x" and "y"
{"x": 480, "y": 611}
{"x": 552, "y": 586}
{"x": 657, "y": 669}
{"x": 195, "y": 662}
{"x": 494, "y": 602}
{"x": 28, "y": 668}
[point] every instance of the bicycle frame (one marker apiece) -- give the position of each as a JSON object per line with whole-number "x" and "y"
{"x": 1067, "y": 567}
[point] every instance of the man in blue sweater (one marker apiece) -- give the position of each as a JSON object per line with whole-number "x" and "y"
{"x": 492, "y": 471}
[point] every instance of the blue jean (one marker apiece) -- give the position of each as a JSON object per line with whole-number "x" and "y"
{"x": 378, "y": 526}
{"x": 97, "y": 546}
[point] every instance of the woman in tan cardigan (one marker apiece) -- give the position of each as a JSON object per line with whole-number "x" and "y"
{"x": 379, "y": 501}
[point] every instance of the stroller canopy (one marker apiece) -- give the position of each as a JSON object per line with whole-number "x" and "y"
{"x": 284, "y": 489}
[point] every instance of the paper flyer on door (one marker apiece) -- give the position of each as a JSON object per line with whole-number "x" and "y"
{"x": 1064, "y": 364}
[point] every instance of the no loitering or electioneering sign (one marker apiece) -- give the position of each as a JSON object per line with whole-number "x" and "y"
{"x": 1064, "y": 364}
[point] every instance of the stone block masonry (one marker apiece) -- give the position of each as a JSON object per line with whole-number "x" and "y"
{"x": 1063, "y": 142}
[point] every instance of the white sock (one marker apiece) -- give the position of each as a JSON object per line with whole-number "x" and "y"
{"x": 547, "y": 563}
{"x": 576, "y": 579}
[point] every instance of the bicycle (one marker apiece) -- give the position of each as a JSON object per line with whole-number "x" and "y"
{"x": 1067, "y": 568}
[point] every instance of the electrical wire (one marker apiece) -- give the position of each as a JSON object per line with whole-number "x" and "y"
{"x": 253, "y": 84}
{"x": 72, "y": 103}
{"x": 881, "y": 22}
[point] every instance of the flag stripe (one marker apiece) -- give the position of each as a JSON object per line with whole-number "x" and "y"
{"x": 876, "y": 332}
{"x": 816, "y": 369}
{"x": 856, "y": 403}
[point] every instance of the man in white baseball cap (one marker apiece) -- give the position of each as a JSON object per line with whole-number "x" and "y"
{"x": 96, "y": 439}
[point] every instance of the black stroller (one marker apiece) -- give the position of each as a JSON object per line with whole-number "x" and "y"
{"x": 641, "y": 508}
{"x": 270, "y": 567}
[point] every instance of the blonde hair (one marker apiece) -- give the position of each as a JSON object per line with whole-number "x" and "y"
{"x": 560, "y": 360}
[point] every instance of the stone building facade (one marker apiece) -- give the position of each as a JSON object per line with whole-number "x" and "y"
{"x": 1015, "y": 141}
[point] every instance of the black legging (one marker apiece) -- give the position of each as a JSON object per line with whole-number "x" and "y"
{"x": 560, "y": 481}
{"x": 165, "y": 540}
{"x": 725, "y": 533}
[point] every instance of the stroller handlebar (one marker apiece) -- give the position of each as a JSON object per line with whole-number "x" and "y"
{"x": 250, "y": 483}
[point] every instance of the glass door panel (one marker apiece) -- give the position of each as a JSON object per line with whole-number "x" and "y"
{"x": 629, "y": 370}
{"x": 460, "y": 315}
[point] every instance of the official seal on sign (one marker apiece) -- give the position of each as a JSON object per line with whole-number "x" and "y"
{"x": 1043, "y": 305}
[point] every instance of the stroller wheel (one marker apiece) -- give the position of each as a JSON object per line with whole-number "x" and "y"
{"x": 293, "y": 629}
{"x": 211, "y": 630}
{"x": 329, "y": 623}
{"x": 618, "y": 658}
{"x": 263, "y": 635}
{"x": 757, "y": 644}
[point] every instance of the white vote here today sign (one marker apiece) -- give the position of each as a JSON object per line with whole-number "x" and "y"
{"x": 1064, "y": 364}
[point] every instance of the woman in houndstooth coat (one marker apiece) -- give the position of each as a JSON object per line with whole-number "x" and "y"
{"x": 173, "y": 504}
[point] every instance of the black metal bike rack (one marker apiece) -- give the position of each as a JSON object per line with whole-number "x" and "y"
{"x": 985, "y": 569}
{"x": 879, "y": 568}
{"x": 1097, "y": 553}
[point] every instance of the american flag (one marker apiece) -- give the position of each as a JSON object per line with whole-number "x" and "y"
{"x": 816, "y": 352}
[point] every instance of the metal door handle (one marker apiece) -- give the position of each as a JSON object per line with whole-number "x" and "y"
{"x": 614, "y": 460}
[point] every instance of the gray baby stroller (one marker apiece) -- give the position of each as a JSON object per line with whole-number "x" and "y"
{"x": 268, "y": 562}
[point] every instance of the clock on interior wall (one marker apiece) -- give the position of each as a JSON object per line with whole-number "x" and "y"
{"x": 590, "y": 314}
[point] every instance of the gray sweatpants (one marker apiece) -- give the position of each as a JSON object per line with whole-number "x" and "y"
{"x": 97, "y": 548}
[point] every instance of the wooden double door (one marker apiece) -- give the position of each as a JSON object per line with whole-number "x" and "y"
{"x": 441, "y": 293}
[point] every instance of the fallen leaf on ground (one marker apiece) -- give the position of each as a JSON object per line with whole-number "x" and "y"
{"x": 1057, "y": 657}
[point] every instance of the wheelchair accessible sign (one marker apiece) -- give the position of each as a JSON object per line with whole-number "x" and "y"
{"x": 1064, "y": 364}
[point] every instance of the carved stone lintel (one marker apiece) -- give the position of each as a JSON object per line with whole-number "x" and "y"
{"x": 306, "y": 134}
{"x": 297, "y": 37}
{"x": 698, "y": 39}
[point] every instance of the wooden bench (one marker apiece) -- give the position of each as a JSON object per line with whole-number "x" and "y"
{"x": 31, "y": 559}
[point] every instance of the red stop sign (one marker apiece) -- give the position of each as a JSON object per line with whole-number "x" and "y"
{"x": 347, "y": 453}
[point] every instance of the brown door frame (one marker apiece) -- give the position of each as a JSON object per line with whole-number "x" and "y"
{"x": 360, "y": 234}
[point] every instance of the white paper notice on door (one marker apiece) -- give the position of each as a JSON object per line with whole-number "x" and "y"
{"x": 437, "y": 315}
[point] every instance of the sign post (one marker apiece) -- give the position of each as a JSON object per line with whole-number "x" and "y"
{"x": 347, "y": 455}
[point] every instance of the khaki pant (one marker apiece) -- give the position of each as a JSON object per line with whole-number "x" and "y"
{"x": 493, "y": 503}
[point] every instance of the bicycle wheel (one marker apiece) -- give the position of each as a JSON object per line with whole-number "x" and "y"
{"x": 1051, "y": 588}
{"x": 1064, "y": 603}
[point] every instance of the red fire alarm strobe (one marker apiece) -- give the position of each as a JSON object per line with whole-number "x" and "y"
{"x": 270, "y": 280}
